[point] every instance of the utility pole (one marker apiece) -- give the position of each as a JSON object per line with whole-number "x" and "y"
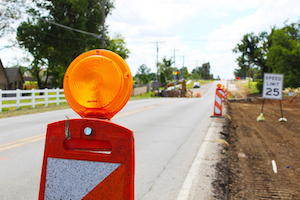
{"x": 196, "y": 70}
{"x": 174, "y": 74}
{"x": 204, "y": 75}
{"x": 182, "y": 71}
{"x": 182, "y": 67}
{"x": 103, "y": 22}
{"x": 157, "y": 42}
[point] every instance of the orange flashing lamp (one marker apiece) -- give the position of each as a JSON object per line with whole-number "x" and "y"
{"x": 219, "y": 85}
{"x": 98, "y": 84}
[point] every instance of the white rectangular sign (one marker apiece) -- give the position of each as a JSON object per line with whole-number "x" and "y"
{"x": 272, "y": 88}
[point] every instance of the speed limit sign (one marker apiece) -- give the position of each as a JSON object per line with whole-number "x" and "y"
{"x": 272, "y": 88}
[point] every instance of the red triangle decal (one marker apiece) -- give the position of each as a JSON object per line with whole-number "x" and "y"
{"x": 112, "y": 187}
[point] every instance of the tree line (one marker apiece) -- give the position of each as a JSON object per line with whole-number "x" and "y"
{"x": 166, "y": 72}
{"x": 52, "y": 46}
{"x": 274, "y": 52}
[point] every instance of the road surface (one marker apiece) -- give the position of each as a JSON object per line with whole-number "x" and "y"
{"x": 169, "y": 134}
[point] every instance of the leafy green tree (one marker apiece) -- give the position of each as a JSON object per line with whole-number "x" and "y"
{"x": 152, "y": 76}
{"x": 10, "y": 11}
{"x": 248, "y": 48}
{"x": 197, "y": 73}
{"x": 206, "y": 71}
{"x": 166, "y": 69}
{"x": 117, "y": 45}
{"x": 255, "y": 73}
{"x": 241, "y": 73}
{"x": 162, "y": 78}
{"x": 284, "y": 54}
{"x": 143, "y": 74}
{"x": 184, "y": 72}
{"x": 54, "y": 47}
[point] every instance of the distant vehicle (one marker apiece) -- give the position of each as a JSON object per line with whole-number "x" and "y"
{"x": 196, "y": 85}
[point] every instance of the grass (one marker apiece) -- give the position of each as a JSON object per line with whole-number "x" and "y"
{"x": 12, "y": 112}
{"x": 253, "y": 89}
{"x": 143, "y": 96}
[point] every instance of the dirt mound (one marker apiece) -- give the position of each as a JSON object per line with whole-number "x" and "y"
{"x": 253, "y": 145}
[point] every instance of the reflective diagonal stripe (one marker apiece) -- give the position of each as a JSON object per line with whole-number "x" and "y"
{"x": 218, "y": 100}
{"x": 217, "y": 110}
{"x": 74, "y": 179}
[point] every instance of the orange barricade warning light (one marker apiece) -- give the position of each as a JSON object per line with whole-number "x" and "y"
{"x": 98, "y": 84}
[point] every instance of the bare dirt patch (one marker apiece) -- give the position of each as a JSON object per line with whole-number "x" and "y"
{"x": 253, "y": 145}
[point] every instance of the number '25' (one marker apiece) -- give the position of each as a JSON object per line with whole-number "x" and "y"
{"x": 276, "y": 91}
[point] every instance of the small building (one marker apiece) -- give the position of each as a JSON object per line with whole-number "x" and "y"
{"x": 10, "y": 78}
{"x": 4, "y": 81}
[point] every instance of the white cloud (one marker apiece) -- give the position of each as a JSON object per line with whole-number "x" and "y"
{"x": 224, "y": 39}
{"x": 143, "y": 22}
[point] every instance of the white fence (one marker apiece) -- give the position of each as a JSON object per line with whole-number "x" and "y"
{"x": 18, "y": 98}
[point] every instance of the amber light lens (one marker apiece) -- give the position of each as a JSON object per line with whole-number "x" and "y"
{"x": 98, "y": 84}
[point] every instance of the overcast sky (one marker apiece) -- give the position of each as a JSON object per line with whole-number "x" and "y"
{"x": 199, "y": 31}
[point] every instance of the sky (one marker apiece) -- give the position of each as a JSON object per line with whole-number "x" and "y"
{"x": 192, "y": 31}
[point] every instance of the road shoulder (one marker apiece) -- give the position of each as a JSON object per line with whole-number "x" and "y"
{"x": 198, "y": 183}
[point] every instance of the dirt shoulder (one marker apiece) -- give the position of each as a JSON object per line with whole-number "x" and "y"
{"x": 253, "y": 145}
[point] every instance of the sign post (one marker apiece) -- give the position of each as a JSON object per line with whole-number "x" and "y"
{"x": 272, "y": 89}
{"x": 92, "y": 157}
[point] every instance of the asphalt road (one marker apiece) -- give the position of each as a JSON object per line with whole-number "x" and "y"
{"x": 168, "y": 135}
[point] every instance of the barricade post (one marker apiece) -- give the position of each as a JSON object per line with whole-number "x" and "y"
{"x": 218, "y": 101}
{"x": 92, "y": 157}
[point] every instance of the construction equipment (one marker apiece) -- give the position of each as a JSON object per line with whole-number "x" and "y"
{"x": 170, "y": 90}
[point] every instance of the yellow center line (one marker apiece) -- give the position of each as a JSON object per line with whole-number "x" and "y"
{"x": 21, "y": 142}
{"x": 143, "y": 109}
{"x": 24, "y": 141}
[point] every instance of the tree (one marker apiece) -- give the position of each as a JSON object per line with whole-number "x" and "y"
{"x": 117, "y": 45}
{"x": 53, "y": 47}
{"x": 166, "y": 69}
{"x": 143, "y": 74}
{"x": 185, "y": 72}
{"x": 162, "y": 78}
{"x": 197, "y": 73}
{"x": 248, "y": 48}
{"x": 206, "y": 71}
{"x": 152, "y": 76}
{"x": 284, "y": 54}
{"x": 241, "y": 73}
{"x": 9, "y": 12}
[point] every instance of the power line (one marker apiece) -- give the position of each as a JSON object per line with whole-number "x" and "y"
{"x": 73, "y": 29}
{"x": 137, "y": 17}
{"x": 127, "y": 23}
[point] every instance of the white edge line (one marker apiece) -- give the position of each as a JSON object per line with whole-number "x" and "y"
{"x": 187, "y": 184}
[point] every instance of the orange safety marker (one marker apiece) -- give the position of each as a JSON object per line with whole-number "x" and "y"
{"x": 223, "y": 93}
{"x": 226, "y": 94}
{"x": 91, "y": 158}
{"x": 218, "y": 101}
